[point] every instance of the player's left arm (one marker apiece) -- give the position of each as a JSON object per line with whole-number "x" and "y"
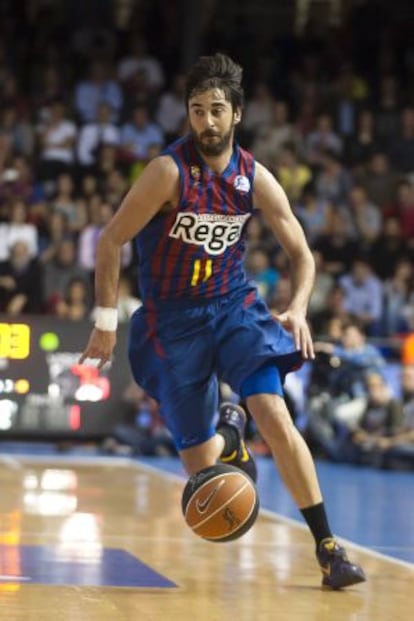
{"x": 271, "y": 199}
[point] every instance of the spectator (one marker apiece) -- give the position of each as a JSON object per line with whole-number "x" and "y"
{"x": 21, "y": 282}
{"x": 16, "y": 133}
{"x": 138, "y": 59}
{"x": 379, "y": 180}
{"x": 333, "y": 181}
{"x": 382, "y": 419}
{"x": 355, "y": 359}
{"x": 324, "y": 283}
{"x": 75, "y": 304}
{"x": 293, "y": 175}
{"x": 97, "y": 89}
{"x": 88, "y": 240}
{"x": 337, "y": 246}
{"x": 171, "y": 108}
{"x": 65, "y": 203}
{"x": 269, "y": 139}
{"x": 138, "y": 136}
{"x": 18, "y": 229}
{"x": 403, "y": 209}
{"x": 388, "y": 248}
{"x": 387, "y": 108}
{"x": 366, "y": 219}
{"x": 57, "y": 135}
{"x": 259, "y": 108}
{"x": 60, "y": 270}
{"x": 363, "y": 294}
{"x": 361, "y": 146}
{"x": 260, "y": 272}
{"x": 314, "y": 214}
{"x": 398, "y": 295}
{"x": 93, "y": 136}
{"x": 321, "y": 140}
{"x": 402, "y": 147}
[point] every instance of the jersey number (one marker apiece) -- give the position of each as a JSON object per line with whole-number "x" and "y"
{"x": 202, "y": 271}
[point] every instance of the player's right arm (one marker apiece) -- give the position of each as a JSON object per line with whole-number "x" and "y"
{"x": 156, "y": 187}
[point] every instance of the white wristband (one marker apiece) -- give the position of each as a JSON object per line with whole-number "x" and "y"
{"x": 106, "y": 318}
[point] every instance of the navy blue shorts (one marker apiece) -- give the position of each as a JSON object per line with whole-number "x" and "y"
{"x": 177, "y": 353}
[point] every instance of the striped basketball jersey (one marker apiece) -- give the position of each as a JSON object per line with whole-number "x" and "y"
{"x": 196, "y": 250}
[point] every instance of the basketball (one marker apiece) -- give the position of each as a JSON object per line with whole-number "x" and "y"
{"x": 220, "y": 503}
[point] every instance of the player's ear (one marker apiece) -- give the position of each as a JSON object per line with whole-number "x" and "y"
{"x": 237, "y": 116}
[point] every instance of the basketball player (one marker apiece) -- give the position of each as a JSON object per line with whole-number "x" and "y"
{"x": 200, "y": 319}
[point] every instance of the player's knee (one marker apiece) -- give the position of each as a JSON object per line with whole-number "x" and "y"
{"x": 272, "y": 418}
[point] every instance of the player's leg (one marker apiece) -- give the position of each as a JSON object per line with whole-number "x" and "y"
{"x": 200, "y": 456}
{"x": 295, "y": 464}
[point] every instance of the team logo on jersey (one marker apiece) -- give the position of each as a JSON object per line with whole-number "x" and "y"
{"x": 242, "y": 184}
{"x": 215, "y": 232}
{"x": 195, "y": 172}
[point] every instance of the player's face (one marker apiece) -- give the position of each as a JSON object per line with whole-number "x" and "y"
{"x": 212, "y": 120}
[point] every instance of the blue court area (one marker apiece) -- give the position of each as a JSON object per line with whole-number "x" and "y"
{"x": 372, "y": 508}
{"x": 47, "y": 565}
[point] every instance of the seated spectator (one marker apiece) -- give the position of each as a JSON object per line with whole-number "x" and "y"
{"x": 93, "y": 136}
{"x": 269, "y": 139}
{"x": 321, "y": 140}
{"x": 337, "y": 246}
{"x": 363, "y": 294}
{"x": 171, "y": 108}
{"x": 333, "y": 181}
{"x": 259, "y": 108}
{"x": 57, "y": 136}
{"x": 56, "y": 229}
{"x": 357, "y": 431}
{"x": 88, "y": 240}
{"x": 381, "y": 421}
{"x": 387, "y": 108}
{"x": 389, "y": 248}
{"x": 138, "y": 136}
{"x": 361, "y": 146}
{"x": 95, "y": 90}
{"x": 21, "y": 282}
{"x": 18, "y": 229}
{"x": 260, "y": 273}
{"x": 366, "y": 218}
{"x": 332, "y": 313}
{"x": 16, "y": 132}
{"x": 324, "y": 283}
{"x": 293, "y": 175}
{"x": 398, "y": 296}
{"x": 138, "y": 59}
{"x": 402, "y": 147}
{"x": 75, "y": 304}
{"x": 60, "y": 270}
{"x": 403, "y": 209}
{"x": 379, "y": 180}
{"x": 115, "y": 187}
{"x": 354, "y": 359}
{"x": 73, "y": 209}
{"x": 314, "y": 214}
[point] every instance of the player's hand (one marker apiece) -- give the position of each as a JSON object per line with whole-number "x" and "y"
{"x": 296, "y": 323}
{"x": 100, "y": 346}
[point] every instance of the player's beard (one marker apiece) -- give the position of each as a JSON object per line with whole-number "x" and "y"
{"x": 215, "y": 147}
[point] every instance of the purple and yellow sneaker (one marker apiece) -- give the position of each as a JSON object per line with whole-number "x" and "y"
{"x": 234, "y": 416}
{"x": 337, "y": 570}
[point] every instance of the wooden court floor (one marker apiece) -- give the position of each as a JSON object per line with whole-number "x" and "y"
{"x": 69, "y": 531}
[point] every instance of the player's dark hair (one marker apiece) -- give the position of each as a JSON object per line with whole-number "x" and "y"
{"x": 218, "y": 71}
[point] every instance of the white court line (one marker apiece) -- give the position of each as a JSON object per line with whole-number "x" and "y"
{"x": 125, "y": 461}
{"x": 10, "y": 462}
{"x": 15, "y": 578}
{"x": 281, "y": 518}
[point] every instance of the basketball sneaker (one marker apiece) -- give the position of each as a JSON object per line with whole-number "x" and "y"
{"x": 234, "y": 416}
{"x": 337, "y": 570}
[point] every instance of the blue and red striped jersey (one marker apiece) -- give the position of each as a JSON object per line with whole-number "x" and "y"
{"x": 196, "y": 250}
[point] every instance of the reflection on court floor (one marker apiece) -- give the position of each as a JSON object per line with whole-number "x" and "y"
{"x": 73, "y": 533}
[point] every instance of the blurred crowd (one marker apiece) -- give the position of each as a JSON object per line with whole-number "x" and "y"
{"x": 84, "y": 107}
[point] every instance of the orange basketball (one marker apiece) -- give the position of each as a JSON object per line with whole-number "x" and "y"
{"x": 220, "y": 503}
